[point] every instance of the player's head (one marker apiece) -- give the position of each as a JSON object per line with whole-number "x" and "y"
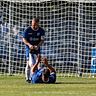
{"x": 35, "y": 23}
{"x": 45, "y": 75}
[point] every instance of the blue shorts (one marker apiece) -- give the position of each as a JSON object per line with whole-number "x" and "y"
{"x": 28, "y": 52}
{"x": 32, "y": 59}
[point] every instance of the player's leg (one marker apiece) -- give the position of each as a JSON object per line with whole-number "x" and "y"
{"x": 27, "y": 68}
{"x": 32, "y": 61}
{"x": 27, "y": 71}
{"x": 38, "y": 56}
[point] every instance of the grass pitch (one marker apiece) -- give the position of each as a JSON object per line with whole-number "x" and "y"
{"x": 67, "y": 86}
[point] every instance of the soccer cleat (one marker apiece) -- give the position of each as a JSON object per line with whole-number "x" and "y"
{"x": 28, "y": 81}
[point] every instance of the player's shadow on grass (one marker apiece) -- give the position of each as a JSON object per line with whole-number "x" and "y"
{"x": 75, "y": 82}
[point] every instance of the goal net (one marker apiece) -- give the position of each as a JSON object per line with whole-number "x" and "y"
{"x": 70, "y": 27}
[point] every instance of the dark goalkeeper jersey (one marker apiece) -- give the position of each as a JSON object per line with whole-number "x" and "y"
{"x": 33, "y": 37}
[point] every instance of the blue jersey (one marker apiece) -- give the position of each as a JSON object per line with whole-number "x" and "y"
{"x": 36, "y": 77}
{"x": 33, "y": 37}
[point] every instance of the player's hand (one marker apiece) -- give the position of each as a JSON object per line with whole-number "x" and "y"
{"x": 36, "y": 47}
{"x": 31, "y": 47}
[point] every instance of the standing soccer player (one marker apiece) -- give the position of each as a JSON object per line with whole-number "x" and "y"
{"x": 33, "y": 38}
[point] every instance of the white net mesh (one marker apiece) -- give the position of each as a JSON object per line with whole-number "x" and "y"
{"x": 70, "y": 34}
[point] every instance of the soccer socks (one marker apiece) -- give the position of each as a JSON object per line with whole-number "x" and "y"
{"x": 27, "y": 72}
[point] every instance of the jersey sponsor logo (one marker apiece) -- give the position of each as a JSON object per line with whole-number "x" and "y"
{"x": 30, "y": 33}
{"x": 34, "y": 39}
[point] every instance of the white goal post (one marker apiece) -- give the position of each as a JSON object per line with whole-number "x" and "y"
{"x": 70, "y": 27}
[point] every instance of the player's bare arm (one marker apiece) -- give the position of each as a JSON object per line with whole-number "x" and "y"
{"x": 49, "y": 67}
{"x": 27, "y": 43}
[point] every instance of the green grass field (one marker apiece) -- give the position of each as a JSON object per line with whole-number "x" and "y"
{"x": 68, "y": 86}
